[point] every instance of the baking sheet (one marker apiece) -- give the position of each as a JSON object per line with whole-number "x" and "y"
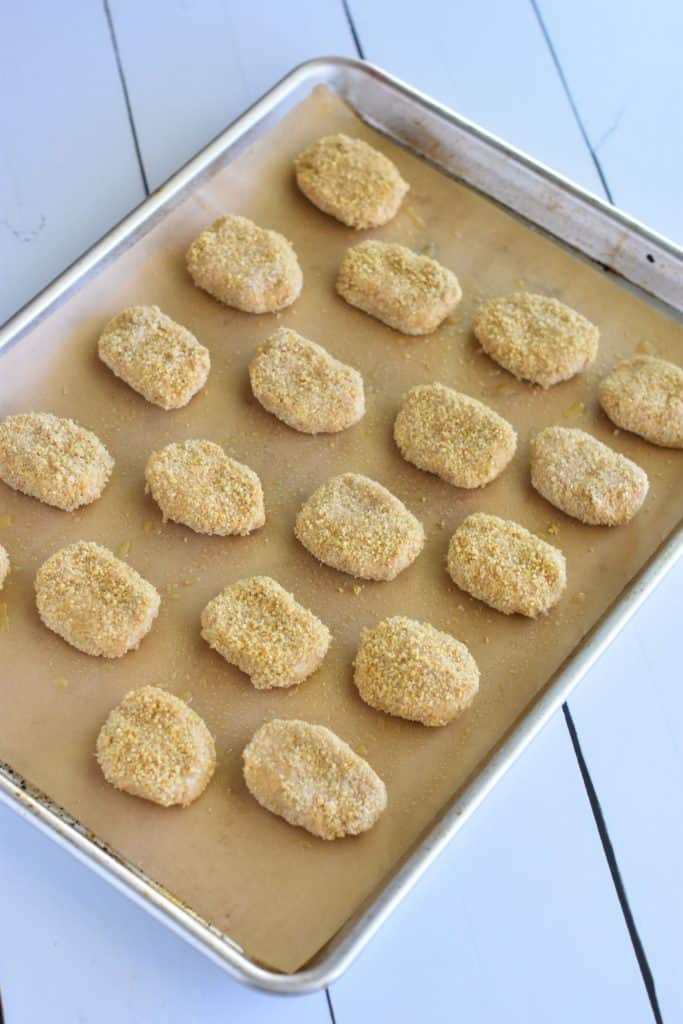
{"x": 278, "y": 892}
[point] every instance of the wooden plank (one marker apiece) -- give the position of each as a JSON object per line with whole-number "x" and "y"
{"x": 211, "y": 60}
{"x": 68, "y": 170}
{"x": 517, "y": 921}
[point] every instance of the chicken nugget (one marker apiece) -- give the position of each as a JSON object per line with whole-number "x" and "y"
{"x": 645, "y": 395}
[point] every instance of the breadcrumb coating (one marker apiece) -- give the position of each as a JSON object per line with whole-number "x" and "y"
{"x": 304, "y": 386}
{"x": 409, "y": 292}
{"x": 503, "y": 564}
{"x": 154, "y": 746}
{"x": 195, "y": 483}
{"x": 94, "y": 601}
{"x": 645, "y": 395}
{"x": 536, "y": 337}
{"x": 155, "y": 356}
{"x": 258, "y": 626}
{"x": 245, "y": 266}
{"x": 53, "y": 459}
{"x": 357, "y": 526}
{"x": 414, "y": 671}
{"x": 4, "y": 566}
{"x": 350, "y": 180}
{"x": 584, "y": 478}
{"x": 452, "y": 435}
{"x": 307, "y": 775}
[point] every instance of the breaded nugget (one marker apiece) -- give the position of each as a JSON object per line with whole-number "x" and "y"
{"x": 412, "y": 670}
{"x": 350, "y": 180}
{"x": 154, "y": 746}
{"x": 584, "y": 478}
{"x": 536, "y": 337}
{"x": 258, "y": 626}
{"x": 4, "y": 566}
{"x": 304, "y": 386}
{"x": 195, "y": 483}
{"x": 155, "y": 356}
{"x": 307, "y": 775}
{"x": 357, "y": 526}
{"x": 645, "y": 395}
{"x": 53, "y": 459}
{"x": 245, "y": 266}
{"x": 409, "y": 292}
{"x": 460, "y": 439}
{"x": 94, "y": 601}
{"x": 499, "y": 562}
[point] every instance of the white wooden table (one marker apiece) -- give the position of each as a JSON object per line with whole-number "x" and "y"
{"x": 562, "y": 900}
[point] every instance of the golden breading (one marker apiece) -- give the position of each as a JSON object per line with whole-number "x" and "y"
{"x": 304, "y": 386}
{"x": 584, "y": 478}
{"x": 53, "y": 459}
{"x": 645, "y": 395}
{"x": 536, "y": 337}
{"x": 154, "y": 746}
{"x": 499, "y": 562}
{"x": 245, "y": 266}
{"x": 409, "y": 292}
{"x": 94, "y": 601}
{"x": 357, "y": 526}
{"x": 460, "y": 439}
{"x": 350, "y": 180}
{"x": 4, "y": 566}
{"x": 155, "y": 356}
{"x": 412, "y": 670}
{"x": 258, "y": 626}
{"x": 195, "y": 483}
{"x": 307, "y": 775}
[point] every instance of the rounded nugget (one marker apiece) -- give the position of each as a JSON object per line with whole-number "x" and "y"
{"x": 195, "y": 483}
{"x": 94, "y": 601}
{"x": 414, "y": 671}
{"x": 350, "y": 180}
{"x": 154, "y": 746}
{"x": 53, "y": 459}
{"x": 304, "y": 386}
{"x": 307, "y": 775}
{"x": 155, "y": 356}
{"x": 645, "y": 395}
{"x": 460, "y": 439}
{"x": 357, "y": 526}
{"x": 245, "y": 266}
{"x": 584, "y": 478}
{"x": 499, "y": 562}
{"x": 4, "y": 566}
{"x": 536, "y": 338}
{"x": 258, "y": 626}
{"x": 409, "y": 292}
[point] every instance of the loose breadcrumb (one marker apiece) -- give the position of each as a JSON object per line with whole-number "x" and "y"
{"x": 155, "y": 356}
{"x": 350, "y": 180}
{"x": 245, "y": 266}
{"x": 412, "y": 670}
{"x": 460, "y": 439}
{"x": 503, "y": 564}
{"x": 4, "y": 566}
{"x": 94, "y": 601}
{"x": 307, "y": 775}
{"x": 195, "y": 483}
{"x": 258, "y": 626}
{"x": 154, "y": 746}
{"x": 357, "y": 526}
{"x": 536, "y": 337}
{"x": 304, "y": 386}
{"x": 584, "y": 478}
{"x": 409, "y": 292}
{"x": 53, "y": 459}
{"x": 645, "y": 395}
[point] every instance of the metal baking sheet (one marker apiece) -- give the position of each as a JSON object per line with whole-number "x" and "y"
{"x": 146, "y": 248}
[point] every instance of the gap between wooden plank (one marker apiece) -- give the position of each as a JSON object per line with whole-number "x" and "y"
{"x": 126, "y": 97}
{"x": 352, "y": 27}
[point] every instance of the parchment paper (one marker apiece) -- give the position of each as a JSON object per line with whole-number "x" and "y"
{"x": 278, "y": 892}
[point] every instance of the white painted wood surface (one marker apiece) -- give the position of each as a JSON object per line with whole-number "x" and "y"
{"x": 520, "y": 921}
